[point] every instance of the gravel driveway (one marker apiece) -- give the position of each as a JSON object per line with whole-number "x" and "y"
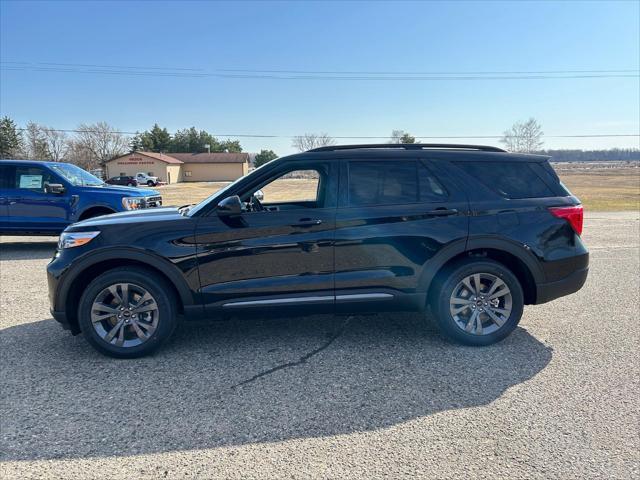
{"x": 365, "y": 396}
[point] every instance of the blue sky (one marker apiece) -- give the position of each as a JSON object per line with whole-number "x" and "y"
{"x": 325, "y": 36}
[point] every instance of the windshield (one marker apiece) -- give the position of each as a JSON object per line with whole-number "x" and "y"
{"x": 76, "y": 176}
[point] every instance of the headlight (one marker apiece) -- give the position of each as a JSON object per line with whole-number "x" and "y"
{"x": 75, "y": 239}
{"x": 133, "y": 203}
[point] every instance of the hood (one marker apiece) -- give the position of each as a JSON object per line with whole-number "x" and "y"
{"x": 122, "y": 190}
{"x": 145, "y": 215}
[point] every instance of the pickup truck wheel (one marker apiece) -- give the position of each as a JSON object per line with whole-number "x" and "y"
{"x": 127, "y": 312}
{"x": 478, "y": 302}
{"x": 129, "y": 184}
{"x": 150, "y": 183}
{"x": 95, "y": 212}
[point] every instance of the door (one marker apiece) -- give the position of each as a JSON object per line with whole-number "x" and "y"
{"x": 394, "y": 216}
{"x": 32, "y": 208}
{"x": 7, "y": 178}
{"x": 279, "y": 252}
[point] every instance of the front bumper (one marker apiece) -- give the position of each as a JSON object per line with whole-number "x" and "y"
{"x": 55, "y": 272}
{"x": 153, "y": 201}
{"x": 545, "y": 292}
{"x": 61, "y": 318}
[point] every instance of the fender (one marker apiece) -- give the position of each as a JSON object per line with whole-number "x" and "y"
{"x": 78, "y": 214}
{"x": 518, "y": 250}
{"x": 127, "y": 253}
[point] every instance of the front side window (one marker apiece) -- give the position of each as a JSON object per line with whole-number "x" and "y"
{"x": 33, "y": 178}
{"x": 391, "y": 183}
{"x": 298, "y": 186}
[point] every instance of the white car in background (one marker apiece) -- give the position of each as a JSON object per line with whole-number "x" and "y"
{"x": 143, "y": 179}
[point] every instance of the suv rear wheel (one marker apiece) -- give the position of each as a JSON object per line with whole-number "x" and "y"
{"x": 478, "y": 302}
{"x": 127, "y": 312}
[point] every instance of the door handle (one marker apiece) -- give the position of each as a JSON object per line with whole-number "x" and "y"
{"x": 307, "y": 222}
{"x": 442, "y": 212}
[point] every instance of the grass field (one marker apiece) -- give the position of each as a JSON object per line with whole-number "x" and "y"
{"x": 604, "y": 189}
{"x": 601, "y": 188}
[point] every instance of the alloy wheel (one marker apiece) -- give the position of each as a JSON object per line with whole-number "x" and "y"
{"x": 124, "y": 315}
{"x": 481, "y": 303}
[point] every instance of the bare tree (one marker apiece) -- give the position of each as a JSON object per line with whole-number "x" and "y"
{"x": 77, "y": 153}
{"x": 35, "y": 143}
{"x": 56, "y": 143}
{"x": 400, "y": 136}
{"x": 524, "y": 137}
{"x": 101, "y": 141}
{"x": 312, "y": 140}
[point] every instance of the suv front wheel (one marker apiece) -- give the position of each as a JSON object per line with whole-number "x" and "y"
{"x": 478, "y": 302}
{"x": 127, "y": 312}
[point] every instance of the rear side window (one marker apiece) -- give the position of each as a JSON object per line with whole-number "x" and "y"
{"x": 509, "y": 179}
{"x": 390, "y": 183}
{"x": 7, "y": 176}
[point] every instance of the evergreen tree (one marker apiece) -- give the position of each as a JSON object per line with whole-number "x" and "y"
{"x": 231, "y": 146}
{"x": 263, "y": 157}
{"x": 11, "y": 143}
{"x": 156, "y": 140}
{"x": 136, "y": 142}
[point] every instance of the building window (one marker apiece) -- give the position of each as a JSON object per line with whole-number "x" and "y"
{"x": 187, "y": 173}
{"x": 150, "y": 174}
{"x": 123, "y": 174}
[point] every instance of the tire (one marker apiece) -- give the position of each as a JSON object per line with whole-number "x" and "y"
{"x": 154, "y": 322}
{"x": 461, "y": 327}
{"x": 150, "y": 183}
{"x": 130, "y": 185}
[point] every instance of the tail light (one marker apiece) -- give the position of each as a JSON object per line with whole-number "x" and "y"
{"x": 573, "y": 214}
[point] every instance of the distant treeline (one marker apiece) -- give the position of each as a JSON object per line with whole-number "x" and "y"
{"x": 590, "y": 155}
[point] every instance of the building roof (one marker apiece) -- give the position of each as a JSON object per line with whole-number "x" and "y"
{"x": 180, "y": 158}
{"x": 160, "y": 156}
{"x": 212, "y": 157}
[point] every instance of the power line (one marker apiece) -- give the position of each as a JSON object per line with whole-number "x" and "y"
{"x": 315, "y": 75}
{"x": 100, "y": 66}
{"x": 362, "y": 72}
{"x": 358, "y": 137}
{"x": 323, "y": 72}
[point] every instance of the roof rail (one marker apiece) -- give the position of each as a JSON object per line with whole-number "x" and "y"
{"x": 409, "y": 146}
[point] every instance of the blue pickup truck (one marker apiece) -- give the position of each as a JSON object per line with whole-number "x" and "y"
{"x": 43, "y": 198}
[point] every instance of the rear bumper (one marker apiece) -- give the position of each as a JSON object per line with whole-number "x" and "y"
{"x": 545, "y": 292}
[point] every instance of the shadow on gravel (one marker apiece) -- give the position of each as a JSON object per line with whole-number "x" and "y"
{"x": 21, "y": 250}
{"x": 232, "y": 383}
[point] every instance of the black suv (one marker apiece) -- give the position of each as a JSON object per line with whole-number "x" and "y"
{"x": 471, "y": 233}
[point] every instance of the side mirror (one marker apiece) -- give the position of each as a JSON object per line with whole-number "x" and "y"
{"x": 230, "y": 207}
{"x": 56, "y": 188}
{"x": 258, "y": 195}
